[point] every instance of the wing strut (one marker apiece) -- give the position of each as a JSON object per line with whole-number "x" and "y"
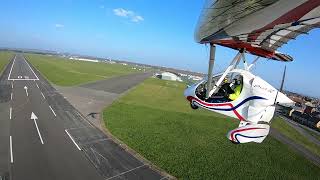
{"x": 210, "y": 69}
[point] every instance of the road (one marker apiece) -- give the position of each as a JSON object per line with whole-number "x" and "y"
{"x": 42, "y": 136}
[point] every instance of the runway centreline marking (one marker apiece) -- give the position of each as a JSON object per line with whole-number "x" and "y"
{"x": 44, "y": 98}
{"x": 125, "y": 172}
{"x": 37, "y": 85}
{"x": 12, "y": 67}
{"x": 11, "y": 97}
{"x": 74, "y": 142}
{"x": 11, "y": 85}
{"x": 35, "y": 122}
{"x": 11, "y": 153}
{"x": 26, "y": 88}
{"x": 31, "y": 69}
{"x": 52, "y": 111}
{"x": 10, "y": 113}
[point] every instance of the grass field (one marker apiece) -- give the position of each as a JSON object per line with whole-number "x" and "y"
{"x": 5, "y": 58}
{"x": 155, "y": 120}
{"x": 65, "y": 72}
{"x": 290, "y": 132}
{"x": 317, "y": 136}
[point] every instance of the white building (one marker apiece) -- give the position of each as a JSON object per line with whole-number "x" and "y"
{"x": 83, "y": 59}
{"x": 169, "y": 76}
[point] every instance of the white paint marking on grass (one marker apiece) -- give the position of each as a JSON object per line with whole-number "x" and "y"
{"x": 72, "y": 139}
{"x": 34, "y": 117}
{"x": 11, "y": 153}
{"x": 10, "y": 113}
{"x": 31, "y": 69}
{"x": 37, "y": 85}
{"x": 14, "y": 60}
{"x": 43, "y": 96}
{"x": 125, "y": 172}
{"x": 52, "y": 111}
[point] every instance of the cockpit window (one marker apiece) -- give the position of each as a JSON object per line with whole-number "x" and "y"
{"x": 229, "y": 90}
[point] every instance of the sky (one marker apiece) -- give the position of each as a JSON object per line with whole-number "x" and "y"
{"x": 156, "y": 32}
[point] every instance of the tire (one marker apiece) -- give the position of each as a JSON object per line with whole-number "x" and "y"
{"x": 193, "y": 106}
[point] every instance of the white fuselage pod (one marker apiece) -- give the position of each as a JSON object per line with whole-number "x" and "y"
{"x": 255, "y": 104}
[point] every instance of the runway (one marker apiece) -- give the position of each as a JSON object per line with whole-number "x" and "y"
{"x": 43, "y": 136}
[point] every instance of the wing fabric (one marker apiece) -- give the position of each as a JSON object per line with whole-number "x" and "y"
{"x": 259, "y": 26}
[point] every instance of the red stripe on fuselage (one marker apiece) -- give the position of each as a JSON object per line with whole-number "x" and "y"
{"x": 190, "y": 98}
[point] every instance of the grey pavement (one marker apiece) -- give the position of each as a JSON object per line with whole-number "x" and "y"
{"x": 118, "y": 84}
{"x": 296, "y": 147}
{"x": 90, "y": 99}
{"x": 59, "y": 143}
{"x": 298, "y": 127}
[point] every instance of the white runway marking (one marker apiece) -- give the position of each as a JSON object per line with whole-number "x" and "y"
{"x": 34, "y": 117}
{"x": 11, "y": 96}
{"x": 43, "y": 96}
{"x": 26, "y": 88}
{"x": 12, "y": 85}
{"x": 35, "y": 122}
{"x": 31, "y": 70}
{"x": 125, "y": 172}
{"x": 10, "y": 113}
{"x": 11, "y": 153}
{"x": 24, "y": 79}
{"x": 52, "y": 111}
{"x": 72, "y": 139}
{"x": 37, "y": 85}
{"x": 12, "y": 67}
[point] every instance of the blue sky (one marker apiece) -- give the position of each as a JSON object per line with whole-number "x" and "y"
{"x": 158, "y": 32}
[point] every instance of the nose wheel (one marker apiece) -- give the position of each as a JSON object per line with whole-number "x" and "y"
{"x": 193, "y": 106}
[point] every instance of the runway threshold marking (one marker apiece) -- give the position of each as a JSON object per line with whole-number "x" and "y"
{"x": 12, "y": 67}
{"x": 52, "y": 111}
{"x": 125, "y": 172}
{"x": 10, "y": 113}
{"x": 74, "y": 142}
{"x": 34, "y": 117}
{"x": 11, "y": 153}
{"x": 43, "y": 97}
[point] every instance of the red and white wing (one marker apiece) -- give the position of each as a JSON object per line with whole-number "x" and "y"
{"x": 258, "y": 26}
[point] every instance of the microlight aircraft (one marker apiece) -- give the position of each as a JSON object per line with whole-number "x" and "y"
{"x": 258, "y": 27}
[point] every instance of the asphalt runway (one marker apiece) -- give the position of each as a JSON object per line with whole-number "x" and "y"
{"x": 43, "y": 136}
{"x": 118, "y": 84}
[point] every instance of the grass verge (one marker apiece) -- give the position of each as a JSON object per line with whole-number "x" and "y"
{"x": 64, "y": 72}
{"x": 294, "y": 135}
{"x": 155, "y": 120}
{"x": 5, "y": 57}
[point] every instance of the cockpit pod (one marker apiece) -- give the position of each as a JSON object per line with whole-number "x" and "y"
{"x": 241, "y": 95}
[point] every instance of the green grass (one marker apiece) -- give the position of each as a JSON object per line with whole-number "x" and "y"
{"x": 291, "y": 133}
{"x": 311, "y": 133}
{"x": 66, "y": 72}
{"x": 5, "y": 57}
{"x": 155, "y": 120}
